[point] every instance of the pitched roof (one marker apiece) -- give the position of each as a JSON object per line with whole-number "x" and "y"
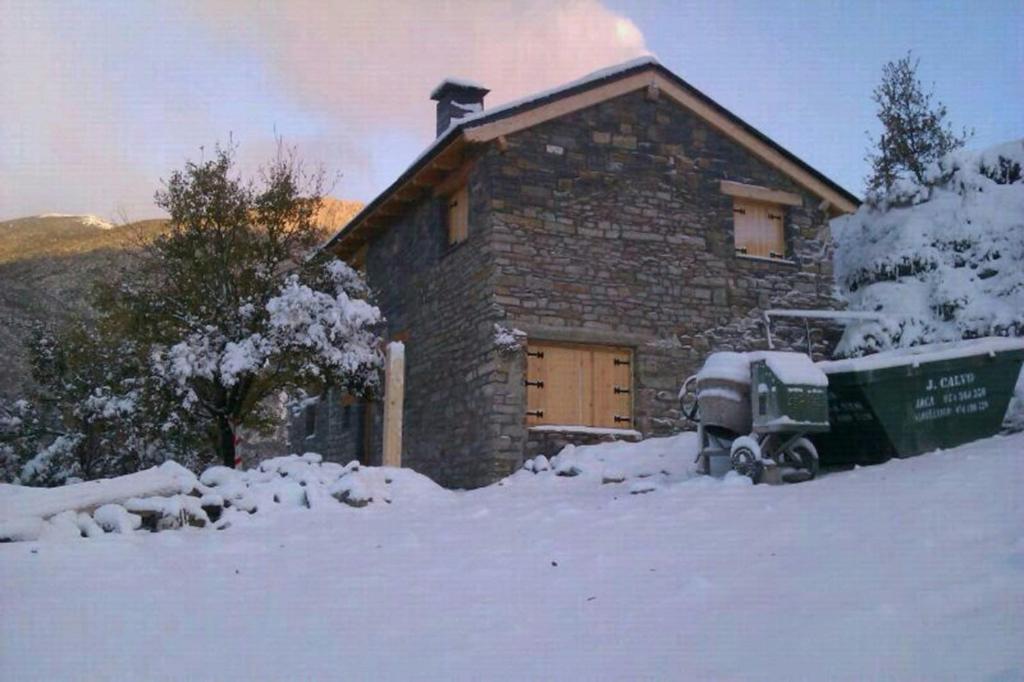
{"x": 587, "y": 91}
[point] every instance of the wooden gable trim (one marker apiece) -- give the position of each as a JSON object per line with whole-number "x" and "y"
{"x": 559, "y": 107}
{"x": 652, "y": 79}
{"x": 758, "y": 193}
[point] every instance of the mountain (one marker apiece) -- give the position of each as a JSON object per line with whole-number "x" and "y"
{"x": 49, "y": 262}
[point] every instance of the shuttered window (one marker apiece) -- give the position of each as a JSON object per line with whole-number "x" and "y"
{"x": 759, "y": 228}
{"x": 575, "y": 385}
{"x": 458, "y": 215}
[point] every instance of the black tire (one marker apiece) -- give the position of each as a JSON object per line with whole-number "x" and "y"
{"x": 804, "y": 452}
{"x": 747, "y": 463}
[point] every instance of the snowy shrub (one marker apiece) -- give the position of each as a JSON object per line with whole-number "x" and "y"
{"x": 231, "y": 307}
{"x": 943, "y": 259}
{"x": 508, "y": 341}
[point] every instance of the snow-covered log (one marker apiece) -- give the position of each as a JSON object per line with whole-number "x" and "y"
{"x": 19, "y": 502}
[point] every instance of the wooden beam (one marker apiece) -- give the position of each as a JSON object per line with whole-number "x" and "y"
{"x": 758, "y": 193}
{"x": 559, "y": 107}
{"x": 394, "y": 402}
{"x": 454, "y": 180}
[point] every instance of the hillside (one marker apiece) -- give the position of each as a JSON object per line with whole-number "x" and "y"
{"x": 48, "y": 264}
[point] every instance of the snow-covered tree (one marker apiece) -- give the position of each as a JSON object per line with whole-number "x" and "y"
{"x": 915, "y": 132}
{"x": 234, "y": 304}
{"x": 941, "y": 259}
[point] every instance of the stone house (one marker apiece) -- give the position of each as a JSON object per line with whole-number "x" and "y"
{"x": 557, "y": 266}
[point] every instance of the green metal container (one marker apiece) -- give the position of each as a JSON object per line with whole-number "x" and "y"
{"x": 904, "y": 403}
{"x": 781, "y": 407}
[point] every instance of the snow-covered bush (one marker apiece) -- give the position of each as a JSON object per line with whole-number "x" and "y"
{"x": 942, "y": 260}
{"x": 508, "y": 341}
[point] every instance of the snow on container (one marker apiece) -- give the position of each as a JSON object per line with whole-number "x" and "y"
{"x": 789, "y": 393}
{"x": 723, "y": 392}
{"x": 905, "y": 402}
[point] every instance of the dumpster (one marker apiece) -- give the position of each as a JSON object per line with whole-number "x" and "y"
{"x": 905, "y": 402}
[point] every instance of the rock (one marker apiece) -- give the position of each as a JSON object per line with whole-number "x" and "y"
{"x": 612, "y": 476}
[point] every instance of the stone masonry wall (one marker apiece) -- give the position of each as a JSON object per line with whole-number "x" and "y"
{"x": 609, "y": 226}
{"x": 338, "y": 434}
{"x": 438, "y": 298}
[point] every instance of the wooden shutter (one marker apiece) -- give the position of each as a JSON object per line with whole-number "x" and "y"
{"x": 759, "y": 228}
{"x": 458, "y": 215}
{"x": 576, "y": 385}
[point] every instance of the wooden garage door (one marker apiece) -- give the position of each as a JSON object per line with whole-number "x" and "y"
{"x": 577, "y": 385}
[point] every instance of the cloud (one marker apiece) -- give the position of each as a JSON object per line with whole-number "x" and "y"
{"x": 99, "y": 101}
{"x": 375, "y": 63}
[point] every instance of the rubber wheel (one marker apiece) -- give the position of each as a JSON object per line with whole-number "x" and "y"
{"x": 804, "y": 455}
{"x": 746, "y": 458}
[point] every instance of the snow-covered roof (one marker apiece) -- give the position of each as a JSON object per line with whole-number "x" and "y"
{"x": 588, "y": 81}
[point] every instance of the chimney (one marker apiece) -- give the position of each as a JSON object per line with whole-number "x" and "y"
{"x": 457, "y": 99}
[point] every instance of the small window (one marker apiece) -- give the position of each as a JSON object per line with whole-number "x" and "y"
{"x": 577, "y": 385}
{"x": 458, "y": 215}
{"x": 310, "y": 420}
{"x": 759, "y": 228}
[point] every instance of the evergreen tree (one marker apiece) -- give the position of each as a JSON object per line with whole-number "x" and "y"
{"x": 915, "y": 132}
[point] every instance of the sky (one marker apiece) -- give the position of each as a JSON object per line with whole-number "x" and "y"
{"x": 100, "y": 100}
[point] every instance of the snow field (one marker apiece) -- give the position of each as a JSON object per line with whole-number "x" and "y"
{"x": 908, "y": 570}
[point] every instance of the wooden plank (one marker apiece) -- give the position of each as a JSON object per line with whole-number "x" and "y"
{"x": 394, "y": 400}
{"x": 559, "y": 107}
{"x": 759, "y": 228}
{"x": 562, "y": 404}
{"x": 758, "y": 193}
{"x": 605, "y": 399}
{"x": 458, "y": 215}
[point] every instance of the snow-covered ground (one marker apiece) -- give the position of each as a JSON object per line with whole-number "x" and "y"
{"x": 909, "y": 570}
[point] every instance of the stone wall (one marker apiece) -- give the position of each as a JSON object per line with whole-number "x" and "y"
{"x": 609, "y": 226}
{"x": 339, "y": 432}
{"x": 437, "y": 299}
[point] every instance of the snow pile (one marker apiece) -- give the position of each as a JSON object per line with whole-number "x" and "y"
{"x": 169, "y": 478}
{"x": 643, "y": 466}
{"x": 169, "y": 497}
{"x": 88, "y": 220}
{"x": 944, "y": 260}
{"x": 508, "y": 340}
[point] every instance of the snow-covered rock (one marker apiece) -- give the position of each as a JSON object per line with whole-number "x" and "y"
{"x": 666, "y": 460}
{"x": 113, "y": 518}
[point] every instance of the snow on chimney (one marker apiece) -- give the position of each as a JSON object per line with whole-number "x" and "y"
{"x": 456, "y": 99}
